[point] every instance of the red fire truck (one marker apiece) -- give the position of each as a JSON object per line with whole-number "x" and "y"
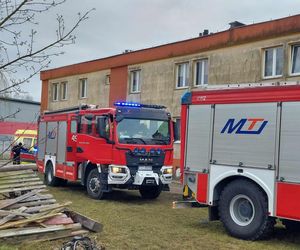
{"x": 240, "y": 156}
{"x": 129, "y": 146}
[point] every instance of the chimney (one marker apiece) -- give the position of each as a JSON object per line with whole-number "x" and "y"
{"x": 236, "y": 24}
{"x": 205, "y": 32}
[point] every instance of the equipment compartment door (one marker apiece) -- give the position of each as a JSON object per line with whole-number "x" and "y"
{"x": 245, "y": 134}
{"x": 198, "y": 137}
{"x": 289, "y": 157}
{"x": 51, "y": 147}
{"x": 61, "y": 145}
{"x": 41, "y": 141}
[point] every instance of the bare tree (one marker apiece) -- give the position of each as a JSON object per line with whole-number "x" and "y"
{"x": 19, "y": 50}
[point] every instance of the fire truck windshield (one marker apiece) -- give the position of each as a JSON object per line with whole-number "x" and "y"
{"x": 143, "y": 131}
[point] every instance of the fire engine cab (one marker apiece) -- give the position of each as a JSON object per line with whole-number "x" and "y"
{"x": 129, "y": 146}
{"x": 240, "y": 149}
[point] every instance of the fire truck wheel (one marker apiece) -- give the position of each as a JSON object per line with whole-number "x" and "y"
{"x": 150, "y": 192}
{"x": 243, "y": 210}
{"x": 49, "y": 178}
{"x": 93, "y": 185}
{"x": 290, "y": 225}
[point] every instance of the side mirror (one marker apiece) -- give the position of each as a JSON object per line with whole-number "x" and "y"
{"x": 102, "y": 122}
{"x": 176, "y": 131}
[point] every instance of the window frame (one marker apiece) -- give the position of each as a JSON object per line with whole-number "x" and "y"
{"x": 64, "y": 91}
{"x": 274, "y": 48}
{"x": 186, "y": 79}
{"x": 55, "y": 86}
{"x": 292, "y": 46}
{"x": 107, "y": 79}
{"x": 203, "y": 70}
{"x": 178, "y": 119}
{"x": 138, "y": 90}
{"x": 85, "y": 88}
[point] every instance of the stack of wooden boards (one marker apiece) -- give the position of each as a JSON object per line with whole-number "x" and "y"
{"x": 28, "y": 212}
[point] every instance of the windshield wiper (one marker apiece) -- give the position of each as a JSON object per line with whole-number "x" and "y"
{"x": 135, "y": 138}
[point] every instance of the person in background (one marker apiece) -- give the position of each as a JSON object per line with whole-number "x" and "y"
{"x": 16, "y": 153}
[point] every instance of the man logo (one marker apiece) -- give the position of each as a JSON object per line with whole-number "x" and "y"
{"x": 245, "y": 126}
{"x": 52, "y": 134}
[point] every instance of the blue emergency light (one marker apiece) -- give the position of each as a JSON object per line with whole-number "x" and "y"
{"x": 127, "y": 104}
{"x": 138, "y": 105}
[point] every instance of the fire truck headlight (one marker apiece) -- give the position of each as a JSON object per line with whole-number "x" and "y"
{"x": 118, "y": 170}
{"x": 168, "y": 170}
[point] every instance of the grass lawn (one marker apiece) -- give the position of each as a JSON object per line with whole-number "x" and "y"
{"x": 132, "y": 223}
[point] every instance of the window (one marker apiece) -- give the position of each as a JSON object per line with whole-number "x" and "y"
{"x": 27, "y": 142}
{"x": 55, "y": 92}
{"x": 143, "y": 131}
{"x": 201, "y": 72}
{"x": 83, "y": 88}
{"x": 135, "y": 81}
{"x": 107, "y": 79}
{"x": 73, "y": 126}
{"x": 86, "y": 125}
{"x": 295, "y": 59}
{"x": 182, "y": 75}
{"x": 177, "y": 128}
{"x": 64, "y": 90}
{"x": 273, "y": 62}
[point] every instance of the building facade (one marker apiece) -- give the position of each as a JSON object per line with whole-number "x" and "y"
{"x": 16, "y": 114}
{"x": 262, "y": 52}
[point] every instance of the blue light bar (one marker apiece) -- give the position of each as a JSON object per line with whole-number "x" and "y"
{"x": 139, "y": 105}
{"x": 127, "y": 104}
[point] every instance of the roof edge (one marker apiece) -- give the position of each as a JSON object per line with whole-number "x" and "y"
{"x": 230, "y": 37}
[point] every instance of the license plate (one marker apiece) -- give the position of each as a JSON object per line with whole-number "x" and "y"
{"x": 145, "y": 168}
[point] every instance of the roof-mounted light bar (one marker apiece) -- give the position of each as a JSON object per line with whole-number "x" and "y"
{"x": 138, "y": 105}
{"x": 127, "y": 104}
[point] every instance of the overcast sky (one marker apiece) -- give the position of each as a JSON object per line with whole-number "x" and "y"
{"x": 117, "y": 25}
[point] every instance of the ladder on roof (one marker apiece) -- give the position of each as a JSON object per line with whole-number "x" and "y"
{"x": 71, "y": 109}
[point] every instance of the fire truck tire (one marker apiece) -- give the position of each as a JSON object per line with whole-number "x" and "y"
{"x": 150, "y": 192}
{"x": 93, "y": 185}
{"x": 243, "y": 210}
{"x": 290, "y": 225}
{"x": 49, "y": 178}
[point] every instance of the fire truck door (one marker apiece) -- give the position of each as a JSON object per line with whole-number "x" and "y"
{"x": 90, "y": 146}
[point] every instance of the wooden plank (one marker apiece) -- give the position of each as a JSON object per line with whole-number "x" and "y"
{"x": 12, "y": 215}
{"x": 32, "y": 203}
{"x": 46, "y": 236}
{"x": 15, "y": 212}
{"x": 37, "y": 230}
{"x": 86, "y": 222}
{"x": 62, "y": 234}
{"x": 22, "y": 189}
{"x": 36, "y": 218}
{"x": 18, "y": 180}
{"x": 8, "y": 202}
{"x": 21, "y": 176}
{"x": 18, "y": 167}
{"x": 16, "y": 173}
{"x": 44, "y": 208}
{"x": 24, "y": 184}
{"x": 38, "y": 197}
